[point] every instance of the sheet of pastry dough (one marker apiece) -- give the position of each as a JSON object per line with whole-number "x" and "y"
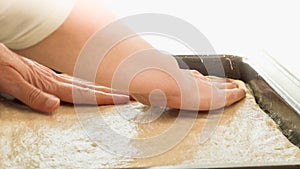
{"x": 245, "y": 134}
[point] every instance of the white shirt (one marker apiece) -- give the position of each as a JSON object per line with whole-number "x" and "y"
{"x": 24, "y": 23}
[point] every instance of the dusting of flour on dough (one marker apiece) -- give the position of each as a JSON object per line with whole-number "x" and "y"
{"x": 245, "y": 134}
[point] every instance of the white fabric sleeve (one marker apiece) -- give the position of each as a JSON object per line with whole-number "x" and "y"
{"x": 24, "y": 23}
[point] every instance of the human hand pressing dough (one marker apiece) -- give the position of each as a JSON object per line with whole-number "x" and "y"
{"x": 207, "y": 93}
{"x": 42, "y": 89}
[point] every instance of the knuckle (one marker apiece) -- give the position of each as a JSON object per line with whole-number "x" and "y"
{"x": 33, "y": 96}
{"x": 48, "y": 86}
{"x": 2, "y": 47}
{"x": 10, "y": 81}
{"x": 51, "y": 86}
{"x": 40, "y": 80}
{"x": 53, "y": 75}
{"x": 6, "y": 57}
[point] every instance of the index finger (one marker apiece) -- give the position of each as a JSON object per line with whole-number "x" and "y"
{"x": 234, "y": 95}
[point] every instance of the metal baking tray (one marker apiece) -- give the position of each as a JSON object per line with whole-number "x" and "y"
{"x": 284, "y": 113}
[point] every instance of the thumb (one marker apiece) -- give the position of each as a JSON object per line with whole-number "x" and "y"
{"x": 37, "y": 99}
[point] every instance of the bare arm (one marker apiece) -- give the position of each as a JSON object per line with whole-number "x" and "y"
{"x": 61, "y": 49}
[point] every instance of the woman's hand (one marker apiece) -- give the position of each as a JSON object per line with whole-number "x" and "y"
{"x": 200, "y": 92}
{"x": 89, "y": 21}
{"x": 42, "y": 89}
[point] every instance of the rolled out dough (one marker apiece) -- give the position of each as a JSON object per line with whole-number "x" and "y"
{"x": 245, "y": 134}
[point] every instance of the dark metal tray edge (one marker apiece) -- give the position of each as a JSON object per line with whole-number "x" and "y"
{"x": 236, "y": 67}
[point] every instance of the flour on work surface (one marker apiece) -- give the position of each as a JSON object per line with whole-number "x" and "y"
{"x": 245, "y": 134}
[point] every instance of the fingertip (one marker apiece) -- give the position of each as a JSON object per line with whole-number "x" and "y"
{"x": 240, "y": 94}
{"x": 234, "y": 95}
{"x": 243, "y": 92}
{"x": 52, "y": 104}
{"x": 234, "y": 85}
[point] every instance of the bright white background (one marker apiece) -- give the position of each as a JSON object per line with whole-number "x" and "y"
{"x": 248, "y": 28}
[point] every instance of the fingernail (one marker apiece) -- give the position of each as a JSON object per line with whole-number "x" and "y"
{"x": 52, "y": 102}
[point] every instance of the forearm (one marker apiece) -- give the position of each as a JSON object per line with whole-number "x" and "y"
{"x": 61, "y": 49}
